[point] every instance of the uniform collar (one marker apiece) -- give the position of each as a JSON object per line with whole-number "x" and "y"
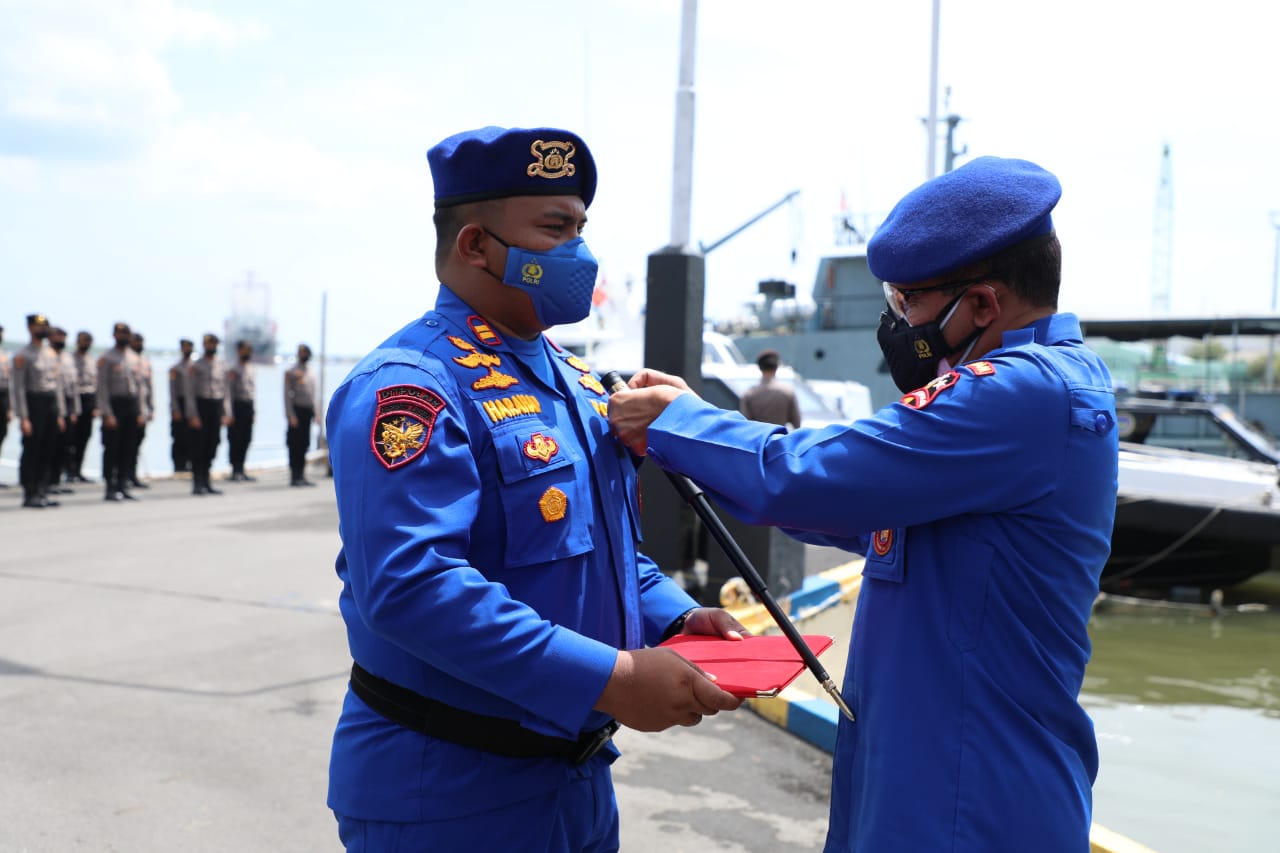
{"x": 1047, "y": 331}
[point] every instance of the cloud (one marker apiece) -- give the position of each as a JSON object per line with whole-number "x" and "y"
{"x": 87, "y": 79}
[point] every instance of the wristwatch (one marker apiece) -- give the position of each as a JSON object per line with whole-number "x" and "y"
{"x": 677, "y": 626}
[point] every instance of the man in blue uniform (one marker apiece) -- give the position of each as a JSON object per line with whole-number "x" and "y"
{"x": 496, "y": 606}
{"x": 983, "y": 501}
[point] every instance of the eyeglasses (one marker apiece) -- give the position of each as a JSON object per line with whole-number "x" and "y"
{"x": 899, "y": 298}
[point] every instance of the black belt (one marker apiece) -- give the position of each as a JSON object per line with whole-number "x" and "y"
{"x": 498, "y": 735}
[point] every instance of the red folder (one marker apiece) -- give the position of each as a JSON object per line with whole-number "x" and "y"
{"x": 753, "y": 667}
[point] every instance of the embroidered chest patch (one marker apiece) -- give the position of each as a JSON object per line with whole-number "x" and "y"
{"x": 882, "y": 542}
{"x": 541, "y": 447}
{"x": 402, "y": 423}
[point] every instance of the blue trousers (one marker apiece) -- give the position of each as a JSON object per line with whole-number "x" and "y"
{"x": 578, "y": 817}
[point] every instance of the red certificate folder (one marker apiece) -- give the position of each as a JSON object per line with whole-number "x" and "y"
{"x": 753, "y": 667}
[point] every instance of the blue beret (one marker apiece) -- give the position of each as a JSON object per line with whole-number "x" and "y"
{"x": 497, "y": 162}
{"x": 986, "y": 206}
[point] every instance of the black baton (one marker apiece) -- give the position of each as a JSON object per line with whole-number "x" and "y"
{"x": 695, "y": 497}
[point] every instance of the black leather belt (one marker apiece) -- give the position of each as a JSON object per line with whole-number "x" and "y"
{"x": 498, "y": 735}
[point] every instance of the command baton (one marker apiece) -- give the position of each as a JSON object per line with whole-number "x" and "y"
{"x": 695, "y": 497}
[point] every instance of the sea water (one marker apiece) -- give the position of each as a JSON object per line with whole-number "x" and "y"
{"x": 1186, "y": 708}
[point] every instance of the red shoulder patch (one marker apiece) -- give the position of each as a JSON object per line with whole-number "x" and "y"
{"x": 403, "y": 422}
{"x": 981, "y": 368}
{"x": 922, "y": 397}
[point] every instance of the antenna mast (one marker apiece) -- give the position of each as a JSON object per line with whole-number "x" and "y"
{"x": 1162, "y": 243}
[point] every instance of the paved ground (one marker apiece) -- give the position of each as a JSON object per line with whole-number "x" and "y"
{"x": 171, "y": 670}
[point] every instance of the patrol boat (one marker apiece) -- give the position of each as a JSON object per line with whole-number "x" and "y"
{"x": 250, "y": 320}
{"x": 1199, "y": 497}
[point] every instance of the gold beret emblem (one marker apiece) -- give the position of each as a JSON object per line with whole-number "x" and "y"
{"x": 552, "y": 159}
{"x": 553, "y": 504}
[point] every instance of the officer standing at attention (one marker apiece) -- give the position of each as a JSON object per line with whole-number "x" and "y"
{"x": 299, "y": 410}
{"x": 770, "y": 401}
{"x": 148, "y": 405}
{"x": 240, "y": 432}
{"x": 39, "y": 409}
{"x": 179, "y": 428}
{"x": 122, "y": 401}
{"x": 983, "y": 501}
{"x": 71, "y": 405}
{"x": 495, "y": 603}
{"x": 207, "y": 400}
{"x": 86, "y": 384}
{"x": 6, "y": 371}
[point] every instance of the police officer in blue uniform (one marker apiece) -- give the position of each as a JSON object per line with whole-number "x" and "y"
{"x": 983, "y": 501}
{"x": 496, "y": 605}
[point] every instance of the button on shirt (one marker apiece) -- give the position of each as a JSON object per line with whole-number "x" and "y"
{"x": 984, "y": 509}
{"x": 488, "y": 561}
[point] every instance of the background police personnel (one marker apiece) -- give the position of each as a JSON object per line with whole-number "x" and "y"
{"x": 86, "y": 384}
{"x": 240, "y": 387}
{"x": 207, "y": 401}
{"x": 990, "y": 488}
{"x": 121, "y": 399}
{"x": 299, "y": 410}
{"x": 70, "y": 404}
{"x": 39, "y": 409}
{"x": 489, "y": 523}
{"x": 148, "y": 406}
{"x": 6, "y": 371}
{"x": 770, "y": 401}
{"x": 179, "y": 428}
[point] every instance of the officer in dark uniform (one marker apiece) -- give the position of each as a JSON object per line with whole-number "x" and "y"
{"x": 64, "y": 439}
{"x": 122, "y": 401}
{"x": 6, "y": 373}
{"x": 179, "y": 428}
{"x": 496, "y": 605}
{"x": 240, "y": 385}
{"x": 207, "y": 398}
{"x": 983, "y": 501}
{"x": 299, "y": 410}
{"x": 86, "y": 380}
{"x": 39, "y": 409}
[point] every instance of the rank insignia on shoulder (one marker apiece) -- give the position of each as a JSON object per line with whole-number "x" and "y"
{"x": 922, "y": 397}
{"x": 882, "y": 542}
{"x": 403, "y": 422}
{"x": 483, "y": 331}
{"x": 578, "y": 364}
{"x": 981, "y": 368}
{"x": 553, "y": 504}
{"x": 541, "y": 447}
{"x": 589, "y": 382}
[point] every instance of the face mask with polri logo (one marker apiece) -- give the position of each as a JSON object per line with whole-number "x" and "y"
{"x": 559, "y": 281}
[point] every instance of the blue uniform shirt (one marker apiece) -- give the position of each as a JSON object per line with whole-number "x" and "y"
{"x": 489, "y": 525}
{"x": 991, "y": 494}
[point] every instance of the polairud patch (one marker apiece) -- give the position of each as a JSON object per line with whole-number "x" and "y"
{"x": 403, "y": 422}
{"x": 922, "y": 397}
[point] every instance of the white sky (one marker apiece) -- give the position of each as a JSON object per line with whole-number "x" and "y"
{"x": 152, "y": 152}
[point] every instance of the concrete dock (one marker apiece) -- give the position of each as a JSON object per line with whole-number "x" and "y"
{"x": 171, "y": 671}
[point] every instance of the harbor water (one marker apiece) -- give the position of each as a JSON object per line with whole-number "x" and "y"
{"x": 267, "y": 450}
{"x": 1186, "y": 707}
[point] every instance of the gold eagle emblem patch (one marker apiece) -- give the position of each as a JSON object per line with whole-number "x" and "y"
{"x": 403, "y": 422}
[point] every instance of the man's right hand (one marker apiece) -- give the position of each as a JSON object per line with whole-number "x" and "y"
{"x": 654, "y": 689}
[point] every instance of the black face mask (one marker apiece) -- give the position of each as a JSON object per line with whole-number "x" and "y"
{"x": 913, "y": 352}
{"x": 58, "y": 346}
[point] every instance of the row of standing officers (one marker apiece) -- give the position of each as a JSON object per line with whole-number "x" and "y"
{"x": 53, "y": 397}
